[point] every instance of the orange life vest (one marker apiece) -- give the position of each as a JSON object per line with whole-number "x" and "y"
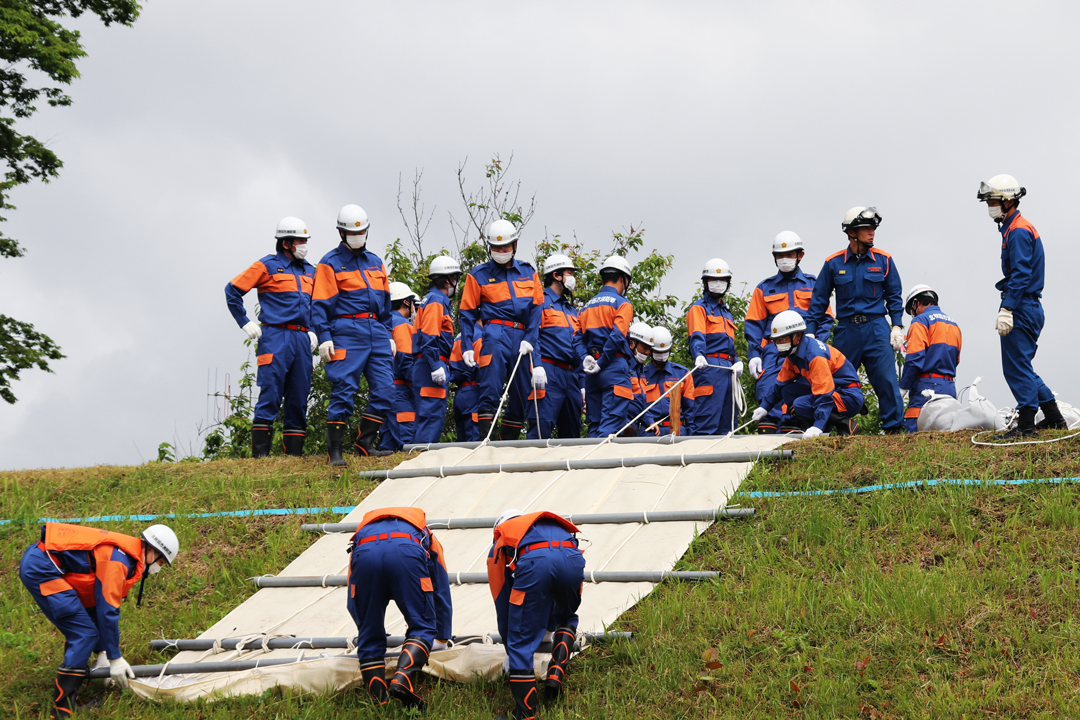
{"x": 414, "y": 516}
{"x": 61, "y": 537}
{"x": 508, "y": 535}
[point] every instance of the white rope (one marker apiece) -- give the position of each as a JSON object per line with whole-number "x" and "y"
{"x": 1021, "y": 442}
{"x": 505, "y": 395}
{"x": 651, "y": 405}
{"x": 536, "y": 401}
{"x": 645, "y": 515}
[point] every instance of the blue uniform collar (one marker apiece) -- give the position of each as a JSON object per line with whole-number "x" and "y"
{"x": 492, "y": 266}
{"x": 609, "y": 290}
{"x": 439, "y": 294}
{"x": 1010, "y": 219}
{"x": 349, "y": 252}
{"x": 709, "y": 303}
{"x": 284, "y": 259}
{"x": 797, "y": 275}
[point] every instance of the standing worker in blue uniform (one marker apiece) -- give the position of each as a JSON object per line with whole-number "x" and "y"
{"x": 832, "y": 395}
{"x": 605, "y": 322}
{"x": 868, "y": 296}
{"x": 561, "y": 352}
{"x": 467, "y": 394}
{"x": 394, "y": 556}
{"x": 1020, "y": 317}
{"x": 789, "y": 289}
{"x": 78, "y": 576}
{"x": 712, "y": 344}
{"x": 535, "y": 572}
{"x": 398, "y": 429}
{"x": 434, "y": 338}
{"x": 661, "y": 375}
{"x": 285, "y": 341}
{"x": 505, "y": 295}
{"x": 932, "y": 352}
{"x": 351, "y": 305}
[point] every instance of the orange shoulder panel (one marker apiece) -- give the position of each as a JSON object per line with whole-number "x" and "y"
{"x": 403, "y": 337}
{"x": 325, "y": 283}
{"x": 470, "y": 296}
{"x": 836, "y": 254}
{"x": 430, "y": 319}
{"x": 623, "y": 317}
{"x": 757, "y": 309}
{"x": 250, "y": 277}
{"x": 917, "y": 339}
{"x": 413, "y": 516}
{"x": 820, "y": 376}
{"x": 695, "y": 320}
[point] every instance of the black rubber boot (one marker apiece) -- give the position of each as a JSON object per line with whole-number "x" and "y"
{"x": 1052, "y": 419}
{"x": 766, "y": 427}
{"x": 895, "y": 430}
{"x": 790, "y": 426}
{"x": 261, "y": 437}
{"x": 374, "y": 674}
{"x": 293, "y": 441}
{"x": 523, "y": 690}
{"x": 66, "y": 694}
{"x": 414, "y": 655}
{"x": 369, "y": 434}
{"x": 1025, "y": 425}
{"x": 562, "y": 643}
{"x": 335, "y": 439}
{"x": 510, "y": 430}
{"x": 483, "y": 423}
{"x": 843, "y": 425}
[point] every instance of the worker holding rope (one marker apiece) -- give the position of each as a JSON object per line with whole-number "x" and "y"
{"x": 605, "y": 323}
{"x": 660, "y": 376}
{"x": 712, "y": 344}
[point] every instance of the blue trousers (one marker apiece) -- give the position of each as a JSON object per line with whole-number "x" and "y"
{"x": 867, "y": 344}
{"x": 770, "y": 368}
{"x": 284, "y": 373}
{"x": 713, "y": 413}
{"x": 803, "y": 404}
{"x": 63, "y": 609}
{"x": 1018, "y": 350}
{"x": 465, "y": 407}
{"x": 384, "y": 570}
{"x": 430, "y": 402}
{"x": 916, "y": 399}
{"x": 608, "y": 395}
{"x": 397, "y": 430}
{"x": 366, "y": 346}
{"x": 501, "y": 345}
{"x": 560, "y": 407}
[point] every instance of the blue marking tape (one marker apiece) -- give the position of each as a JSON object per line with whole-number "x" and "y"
{"x": 904, "y": 485}
{"x": 228, "y": 513}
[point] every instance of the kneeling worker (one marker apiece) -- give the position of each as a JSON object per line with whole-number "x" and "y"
{"x": 395, "y": 557}
{"x": 933, "y": 352}
{"x": 78, "y": 576}
{"x": 535, "y": 571}
{"x": 834, "y": 396}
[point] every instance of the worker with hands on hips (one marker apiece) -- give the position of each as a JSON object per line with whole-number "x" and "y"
{"x": 932, "y": 352}
{"x": 285, "y": 340}
{"x": 434, "y": 340}
{"x": 717, "y": 367}
{"x": 605, "y": 322}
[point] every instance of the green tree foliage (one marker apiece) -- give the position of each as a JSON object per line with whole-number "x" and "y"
{"x": 32, "y": 38}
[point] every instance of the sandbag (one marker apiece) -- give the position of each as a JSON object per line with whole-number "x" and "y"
{"x": 938, "y": 412}
{"x": 978, "y": 414}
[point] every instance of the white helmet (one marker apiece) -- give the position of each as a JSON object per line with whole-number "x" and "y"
{"x": 860, "y": 216}
{"x": 507, "y": 515}
{"x": 787, "y": 323}
{"x": 352, "y": 219}
{"x": 557, "y": 262}
{"x": 617, "y": 262}
{"x": 1000, "y": 187}
{"x": 444, "y": 265}
{"x": 642, "y": 332}
{"x": 500, "y": 232}
{"x": 661, "y": 339}
{"x": 291, "y": 228}
{"x": 916, "y": 292}
{"x": 716, "y": 268}
{"x": 786, "y": 242}
{"x": 162, "y": 539}
{"x": 401, "y": 291}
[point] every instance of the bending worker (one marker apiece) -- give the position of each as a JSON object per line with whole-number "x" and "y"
{"x": 933, "y": 352}
{"x": 641, "y": 344}
{"x": 395, "y": 557}
{"x": 1020, "y": 317}
{"x": 832, "y": 397}
{"x": 398, "y": 430}
{"x": 535, "y": 572}
{"x": 605, "y": 322}
{"x": 79, "y": 576}
{"x": 868, "y": 296}
{"x": 505, "y": 295}
{"x": 352, "y": 319}
{"x": 285, "y": 342}
{"x": 660, "y": 376}
{"x": 434, "y": 338}
{"x": 712, "y": 345}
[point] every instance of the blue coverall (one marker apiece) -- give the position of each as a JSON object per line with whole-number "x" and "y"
{"x": 712, "y": 334}
{"x": 434, "y": 338}
{"x": 833, "y": 384}
{"x": 398, "y": 430}
{"x": 933, "y": 352}
{"x": 467, "y": 395}
{"x": 605, "y": 321}
{"x": 660, "y": 377}
{"x": 561, "y": 352}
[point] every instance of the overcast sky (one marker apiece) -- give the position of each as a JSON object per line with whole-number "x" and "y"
{"x": 715, "y": 124}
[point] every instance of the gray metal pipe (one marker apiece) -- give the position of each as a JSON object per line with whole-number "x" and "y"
{"x": 486, "y": 523}
{"x": 564, "y": 442}
{"x": 587, "y": 464}
{"x": 338, "y": 643}
{"x": 481, "y": 578}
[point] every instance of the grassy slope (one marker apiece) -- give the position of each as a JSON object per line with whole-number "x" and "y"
{"x": 936, "y": 602}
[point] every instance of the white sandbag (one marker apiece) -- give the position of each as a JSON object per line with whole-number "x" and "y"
{"x": 938, "y": 412}
{"x": 978, "y": 414}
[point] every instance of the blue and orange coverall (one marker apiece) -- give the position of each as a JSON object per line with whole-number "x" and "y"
{"x": 933, "y": 352}
{"x": 791, "y": 291}
{"x": 1023, "y": 267}
{"x": 398, "y": 430}
{"x": 351, "y": 306}
{"x": 868, "y": 296}
{"x": 284, "y": 350}
{"x": 507, "y": 301}
{"x": 712, "y": 334}
{"x": 833, "y": 384}
{"x": 561, "y": 352}
{"x": 660, "y": 377}
{"x": 605, "y": 321}
{"x": 641, "y": 389}
{"x": 79, "y": 576}
{"x": 467, "y": 395}
{"x": 434, "y": 338}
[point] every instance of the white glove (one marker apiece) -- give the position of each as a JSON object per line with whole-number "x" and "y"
{"x": 539, "y": 378}
{"x": 896, "y": 339}
{"x": 700, "y": 362}
{"x": 738, "y": 368}
{"x": 589, "y": 365}
{"x": 438, "y": 376}
{"x": 326, "y": 351}
{"x": 253, "y": 330}
{"x": 525, "y": 348}
{"x": 438, "y": 645}
{"x": 393, "y": 347}
{"x": 755, "y": 367}
{"x": 120, "y": 671}
{"x": 469, "y": 357}
{"x": 759, "y": 413}
{"x": 103, "y": 662}
{"x": 314, "y": 340}
{"x": 811, "y": 432}
{"x": 1004, "y": 322}
{"x": 506, "y": 665}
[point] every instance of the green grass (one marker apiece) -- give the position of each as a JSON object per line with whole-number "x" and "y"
{"x": 942, "y": 602}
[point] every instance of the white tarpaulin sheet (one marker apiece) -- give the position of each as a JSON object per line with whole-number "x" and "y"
{"x": 320, "y": 612}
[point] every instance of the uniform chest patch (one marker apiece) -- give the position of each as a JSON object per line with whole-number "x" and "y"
{"x": 877, "y": 269}
{"x": 842, "y": 272}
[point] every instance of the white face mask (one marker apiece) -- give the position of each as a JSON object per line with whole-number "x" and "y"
{"x": 356, "y": 242}
{"x": 661, "y": 356}
{"x": 299, "y": 251}
{"x": 783, "y": 346}
{"x": 718, "y": 287}
{"x": 451, "y": 290}
{"x": 642, "y": 358}
{"x": 996, "y": 212}
{"x": 502, "y": 257}
{"x": 786, "y": 265}
{"x": 569, "y": 282}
